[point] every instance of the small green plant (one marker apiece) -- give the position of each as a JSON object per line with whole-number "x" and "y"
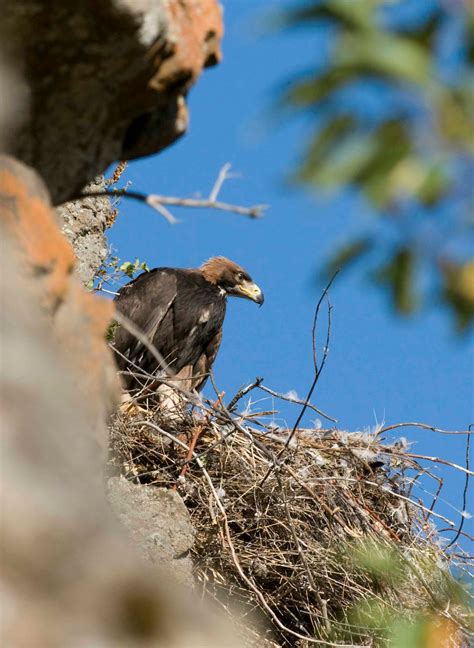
{"x": 112, "y": 272}
{"x": 131, "y": 269}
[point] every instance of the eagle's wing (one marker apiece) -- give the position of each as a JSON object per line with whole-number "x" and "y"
{"x": 205, "y": 362}
{"x": 146, "y": 301}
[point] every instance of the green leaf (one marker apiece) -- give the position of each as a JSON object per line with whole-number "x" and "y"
{"x": 110, "y": 333}
{"x": 318, "y": 88}
{"x": 393, "y": 56}
{"x": 458, "y": 291}
{"x": 399, "y": 275}
{"x": 330, "y": 166}
{"x": 325, "y": 141}
{"x": 128, "y": 268}
{"x": 348, "y": 254}
{"x": 345, "y": 13}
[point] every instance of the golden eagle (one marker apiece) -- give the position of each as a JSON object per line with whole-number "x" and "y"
{"x": 181, "y": 312}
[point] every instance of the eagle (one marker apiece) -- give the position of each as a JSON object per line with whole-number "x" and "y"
{"x": 181, "y": 312}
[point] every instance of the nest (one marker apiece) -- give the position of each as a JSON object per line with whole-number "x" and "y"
{"x": 314, "y": 536}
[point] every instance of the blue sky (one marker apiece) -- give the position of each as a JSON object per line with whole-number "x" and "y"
{"x": 380, "y": 367}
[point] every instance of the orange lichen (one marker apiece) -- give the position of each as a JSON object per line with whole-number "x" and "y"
{"x": 78, "y": 318}
{"x": 45, "y": 252}
{"x": 197, "y": 31}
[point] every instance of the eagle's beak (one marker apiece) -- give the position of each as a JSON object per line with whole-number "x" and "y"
{"x": 250, "y": 290}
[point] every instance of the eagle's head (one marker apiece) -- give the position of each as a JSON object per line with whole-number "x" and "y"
{"x": 231, "y": 278}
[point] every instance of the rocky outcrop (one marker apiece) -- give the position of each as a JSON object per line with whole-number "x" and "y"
{"x": 69, "y": 575}
{"x": 158, "y": 523}
{"x": 93, "y": 82}
{"x": 45, "y": 259}
{"x": 107, "y": 80}
{"x": 84, "y": 224}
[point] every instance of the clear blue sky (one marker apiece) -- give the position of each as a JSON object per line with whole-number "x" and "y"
{"x": 380, "y": 367}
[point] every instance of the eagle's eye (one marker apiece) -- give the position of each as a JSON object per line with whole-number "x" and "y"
{"x": 240, "y": 276}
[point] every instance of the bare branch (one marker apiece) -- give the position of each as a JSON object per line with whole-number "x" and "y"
{"x": 157, "y": 201}
{"x": 243, "y": 391}
{"x": 221, "y": 178}
{"x": 424, "y": 426}
{"x": 165, "y": 212}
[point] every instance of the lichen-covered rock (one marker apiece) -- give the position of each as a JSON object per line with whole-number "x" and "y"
{"x": 84, "y": 223}
{"x": 45, "y": 259}
{"x": 69, "y": 576}
{"x": 107, "y": 80}
{"x": 158, "y": 523}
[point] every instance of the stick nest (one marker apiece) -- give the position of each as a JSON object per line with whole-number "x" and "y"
{"x": 327, "y": 548}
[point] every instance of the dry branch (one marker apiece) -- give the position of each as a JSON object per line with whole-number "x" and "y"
{"x": 160, "y": 203}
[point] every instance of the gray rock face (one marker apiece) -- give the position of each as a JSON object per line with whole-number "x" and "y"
{"x": 84, "y": 223}
{"x": 158, "y": 523}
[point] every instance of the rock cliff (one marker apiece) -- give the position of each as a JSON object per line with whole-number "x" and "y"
{"x": 88, "y": 83}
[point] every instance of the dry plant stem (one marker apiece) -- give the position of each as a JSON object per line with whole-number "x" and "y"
{"x": 318, "y": 370}
{"x": 190, "y": 454}
{"x": 194, "y": 440}
{"x": 297, "y": 401}
{"x": 424, "y": 426}
{"x": 117, "y": 174}
{"x": 238, "y": 427}
{"x": 309, "y": 574}
{"x": 315, "y": 326}
{"x": 464, "y": 495}
{"x": 243, "y": 391}
{"x": 437, "y": 460}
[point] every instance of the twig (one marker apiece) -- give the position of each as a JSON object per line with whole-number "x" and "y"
{"x": 221, "y": 178}
{"x": 166, "y": 213}
{"x": 302, "y": 556}
{"x": 243, "y": 391}
{"x": 438, "y": 460}
{"x": 297, "y": 401}
{"x": 239, "y": 428}
{"x": 464, "y": 494}
{"x": 424, "y": 426}
{"x": 192, "y": 445}
{"x": 318, "y": 370}
{"x": 158, "y": 202}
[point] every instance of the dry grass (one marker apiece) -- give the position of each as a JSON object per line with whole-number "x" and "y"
{"x": 332, "y": 528}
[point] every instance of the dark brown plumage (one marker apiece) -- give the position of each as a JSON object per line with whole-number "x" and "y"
{"x": 181, "y": 311}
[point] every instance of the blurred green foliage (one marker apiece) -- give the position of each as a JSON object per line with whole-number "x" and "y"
{"x": 439, "y": 620}
{"x": 416, "y": 156}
